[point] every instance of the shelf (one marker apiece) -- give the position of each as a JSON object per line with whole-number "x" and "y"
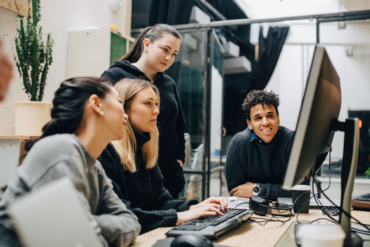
{"x": 19, "y": 137}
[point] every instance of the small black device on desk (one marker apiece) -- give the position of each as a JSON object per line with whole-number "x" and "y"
{"x": 213, "y": 226}
{"x": 260, "y": 205}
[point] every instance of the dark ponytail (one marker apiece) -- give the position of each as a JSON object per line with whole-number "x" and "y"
{"x": 152, "y": 33}
{"x": 69, "y": 104}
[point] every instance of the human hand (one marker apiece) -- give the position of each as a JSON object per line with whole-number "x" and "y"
{"x": 198, "y": 212}
{"x": 180, "y": 162}
{"x": 221, "y": 202}
{"x": 6, "y": 72}
{"x": 244, "y": 190}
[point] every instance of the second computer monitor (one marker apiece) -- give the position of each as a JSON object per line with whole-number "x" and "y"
{"x": 321, "y": 104}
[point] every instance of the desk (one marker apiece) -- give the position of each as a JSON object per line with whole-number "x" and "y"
{"x": 250, "y": 234}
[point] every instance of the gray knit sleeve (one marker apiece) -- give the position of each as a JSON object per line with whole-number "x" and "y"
{"x": 120, "y": 226}
{"x": 65, "y": 168}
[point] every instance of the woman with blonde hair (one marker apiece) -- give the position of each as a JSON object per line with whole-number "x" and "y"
{"x": 131, "y": 164}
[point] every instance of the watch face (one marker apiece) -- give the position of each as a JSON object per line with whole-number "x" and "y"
{"x": 256, "y": 189}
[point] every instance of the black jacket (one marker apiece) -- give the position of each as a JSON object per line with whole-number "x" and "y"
{"x": 171, "y": 123}
{"x": 143, "y": 191}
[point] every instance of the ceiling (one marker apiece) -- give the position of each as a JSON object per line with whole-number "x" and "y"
{"x": 256, "y": 9}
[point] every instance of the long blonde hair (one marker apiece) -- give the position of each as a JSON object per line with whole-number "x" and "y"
{"x": 126, "y": 147}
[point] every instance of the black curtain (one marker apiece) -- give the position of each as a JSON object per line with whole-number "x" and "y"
{"x": 268, "y": 56}
{"x": 237, "y": 86}
{"x": 172, "y": 12}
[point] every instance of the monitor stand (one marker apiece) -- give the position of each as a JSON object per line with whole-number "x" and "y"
{"x": 349, "y": 167}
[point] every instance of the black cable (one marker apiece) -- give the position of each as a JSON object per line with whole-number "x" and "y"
{"x": 314, "y": 195}
{"x": 266, "y": 220}
{"x": 241, "y": 204}
{"x": 320, "y": 205}
{"x": 323, "y": 219}
{"x": 343, "y": 211}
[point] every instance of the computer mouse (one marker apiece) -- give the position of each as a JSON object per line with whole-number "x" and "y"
{"x": 189, "y": 240}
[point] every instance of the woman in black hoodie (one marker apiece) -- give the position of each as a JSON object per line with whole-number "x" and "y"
{"x": 131, "y": 164}
{"x": 153, "y": 52}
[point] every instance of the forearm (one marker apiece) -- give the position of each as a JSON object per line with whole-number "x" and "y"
{"x": 118, "y": 230}
{"x": 150, "y": 220}
{"x": 179, "y": 205}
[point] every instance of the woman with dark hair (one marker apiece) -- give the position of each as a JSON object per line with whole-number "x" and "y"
{"x": 153, "y": 52}
{"x": 87, "y": 114}
{"x": 131, "y": 164}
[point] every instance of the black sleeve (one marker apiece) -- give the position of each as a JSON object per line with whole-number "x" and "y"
{"x": 164, "y": 199}
{"x": 273, "y": 191}
{"x": 165, "y": 213}
{"x": 180, "y": 128}
{"x": 110, "y": 76}
{"x": 236, "y": 162}
{"x": 149, "y": 220}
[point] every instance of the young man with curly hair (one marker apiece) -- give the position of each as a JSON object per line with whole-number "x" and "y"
{"x": 258, "y": 156}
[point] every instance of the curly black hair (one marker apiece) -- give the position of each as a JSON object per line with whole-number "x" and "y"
{"x": 262, "y": 97}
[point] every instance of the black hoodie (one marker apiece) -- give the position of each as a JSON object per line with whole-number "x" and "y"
{"x": 142, "y": 191}
{"x": 171, "y": 123}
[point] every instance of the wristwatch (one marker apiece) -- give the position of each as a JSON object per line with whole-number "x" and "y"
{"x": 256, "y": 189}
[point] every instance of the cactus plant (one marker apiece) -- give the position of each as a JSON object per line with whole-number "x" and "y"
{"x": 32, "y": 57}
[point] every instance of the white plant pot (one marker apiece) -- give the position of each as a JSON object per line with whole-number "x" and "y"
{"x": 30, "y": 117}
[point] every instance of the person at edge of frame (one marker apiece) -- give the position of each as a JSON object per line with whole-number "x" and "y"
{"x": 131, "y": 164}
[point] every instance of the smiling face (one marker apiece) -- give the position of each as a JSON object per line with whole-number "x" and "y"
{"x": 162, "y": 52}
{"x": 114, "y": 116}
{"x": 144, "y": 110}
{"x": 264, "y": 121}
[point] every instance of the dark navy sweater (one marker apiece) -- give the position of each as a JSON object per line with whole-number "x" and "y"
{"x": 171, "y": 123}
{"x": 253, "y": 161}
{"x": 143, "y": 191}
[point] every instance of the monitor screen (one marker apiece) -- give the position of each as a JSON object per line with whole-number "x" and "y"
{"x": 321, "y": 104}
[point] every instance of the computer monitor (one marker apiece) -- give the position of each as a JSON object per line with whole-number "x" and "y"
{"x": 321, "y": 104}
{"x": 318, "y": 120}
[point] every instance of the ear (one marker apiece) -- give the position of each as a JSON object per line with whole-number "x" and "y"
{"x": 146, "y": 43}
{"x": 278, "y": 120}
{"x": 96, "y": 104}
{"x": 249, "y": 124}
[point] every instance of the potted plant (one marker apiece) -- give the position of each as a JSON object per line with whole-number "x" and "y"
{"x": 33, "y": 59}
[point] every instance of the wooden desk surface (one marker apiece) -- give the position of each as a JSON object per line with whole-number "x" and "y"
{"x": 248, "y": 234}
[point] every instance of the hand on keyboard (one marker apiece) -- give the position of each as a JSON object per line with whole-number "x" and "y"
{"x": 201, "y": 211}
{"x": 221, "y": 201}
{"x": 214, "y": 220}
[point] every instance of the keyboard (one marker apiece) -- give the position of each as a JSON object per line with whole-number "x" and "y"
{"x": 213, "y": 226}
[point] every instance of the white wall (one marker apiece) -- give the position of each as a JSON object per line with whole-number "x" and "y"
{"x": 216, "y": 113}
{"x": 291, "y": 72}
{"x": 57, "y": 17}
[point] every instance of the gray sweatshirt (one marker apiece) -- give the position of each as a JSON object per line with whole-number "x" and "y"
{"x": 64, "y": 155}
